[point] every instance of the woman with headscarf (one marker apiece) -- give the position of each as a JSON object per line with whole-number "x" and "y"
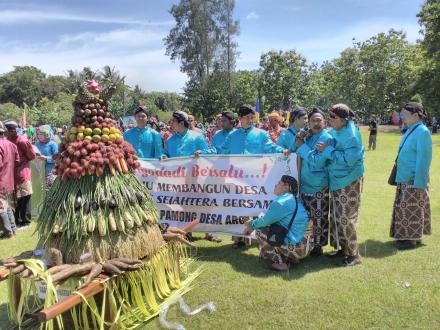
{"x": 345, "y": 155}
{"x": 47, "y": 149}
{"x": 287, "y": 211}
{"x": 412, "y": 212}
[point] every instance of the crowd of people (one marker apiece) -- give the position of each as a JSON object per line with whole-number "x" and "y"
{"x": 322, "y": 208}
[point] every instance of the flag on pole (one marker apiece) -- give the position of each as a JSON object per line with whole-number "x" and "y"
{"x": 288, "y": 112}
{"x": 257, "y": 110}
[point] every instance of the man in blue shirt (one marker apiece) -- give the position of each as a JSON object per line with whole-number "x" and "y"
{"x": 227, "y": 125}
{"x": 186, "y": 142}
{"x": 249, "y": 140}
{"x": 298, "y": 121}
{"x": 314, "y": 178}
{"x": 146, "y": 141}
{"x": 345, "y": 155}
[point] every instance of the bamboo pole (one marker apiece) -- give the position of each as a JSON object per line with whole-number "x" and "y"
{"x": 71, "y": 301}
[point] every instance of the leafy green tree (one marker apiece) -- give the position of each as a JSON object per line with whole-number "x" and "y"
{"x": 10, "y": 111}
{"x": 428, "y": 83}
{"x": 22, "y": 85}
{"x": 246, "y": 87}
{"x": 282, "y": 78}
{"x": 203, "y": 40}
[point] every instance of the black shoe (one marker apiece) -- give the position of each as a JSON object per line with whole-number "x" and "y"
{"x": 335, "y": 254}
{"x": 317, "y": 251}
{"x": 405, "y": 245}
{"x": 239, "y": 245}
{"x": 350, "y": 261}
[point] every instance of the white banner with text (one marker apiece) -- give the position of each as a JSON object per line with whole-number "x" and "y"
{"x": 221, "y": 191}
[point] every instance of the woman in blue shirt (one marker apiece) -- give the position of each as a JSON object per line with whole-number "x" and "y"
{"x": 299, "y": 239}
{"x": 345, "y": 155}
{"x": 47, "y": 148}
{"x": 412, "y": 212}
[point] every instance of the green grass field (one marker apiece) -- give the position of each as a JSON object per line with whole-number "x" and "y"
{"x": 390, "y": 290}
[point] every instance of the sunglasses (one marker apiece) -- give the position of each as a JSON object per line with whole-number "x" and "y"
{"x": 332, "y": 116}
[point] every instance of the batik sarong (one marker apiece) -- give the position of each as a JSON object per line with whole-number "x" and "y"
{"x": 285, "y": 253}
{"x": 317, "y": 206}
{"x": 344, "y": 218}
{"x": 24, "y": 189}
{"x": 411, "y": 213}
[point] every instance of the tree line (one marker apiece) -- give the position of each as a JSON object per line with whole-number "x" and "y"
{"x": 378, "y": 75}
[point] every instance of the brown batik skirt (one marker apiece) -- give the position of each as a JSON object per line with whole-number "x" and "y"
{"x": 344, "y": 217}
{"x": 285, "y": 253}
{"x": 317, "y": 206}
{"x": 411, "y": 213}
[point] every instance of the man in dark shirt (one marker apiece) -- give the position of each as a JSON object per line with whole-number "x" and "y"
{"x": 372, "y": 127}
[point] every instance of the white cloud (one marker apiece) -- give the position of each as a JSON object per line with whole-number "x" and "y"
{"x": 252, "y": 16}
{"x": 324, "y": 46}
{"x": 122, "y": 37}
{"x": 138, "y": 53}
{"x": 43, "y": 16}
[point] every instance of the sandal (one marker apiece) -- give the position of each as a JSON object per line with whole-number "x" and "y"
{"x": 280, "y": 267}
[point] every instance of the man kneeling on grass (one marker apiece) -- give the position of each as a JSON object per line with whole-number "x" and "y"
{"x": 287, "y": 212}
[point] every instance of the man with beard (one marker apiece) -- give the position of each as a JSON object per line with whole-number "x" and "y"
{"x": 314, "y": 178}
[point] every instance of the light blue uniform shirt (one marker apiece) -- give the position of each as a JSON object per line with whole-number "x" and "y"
{"x": 186, "y": 144}
{"x": 48, "y": 150}
{"x": 249, "y": 141}
{"x": 146, "y": 142}
{"x": 219, "y": 138}
{"x": 346, "y": 156}
{"x": 314, "y": 173}
{"x": 281, "y": 211}
{"x": 287, "y": 138}
{"x": 415, "y": 157}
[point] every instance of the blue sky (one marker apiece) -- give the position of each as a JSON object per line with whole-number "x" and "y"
{"x": 59, "y": 35}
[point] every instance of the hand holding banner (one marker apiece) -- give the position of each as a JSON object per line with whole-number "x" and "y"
{"x": 220, "y": 191}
